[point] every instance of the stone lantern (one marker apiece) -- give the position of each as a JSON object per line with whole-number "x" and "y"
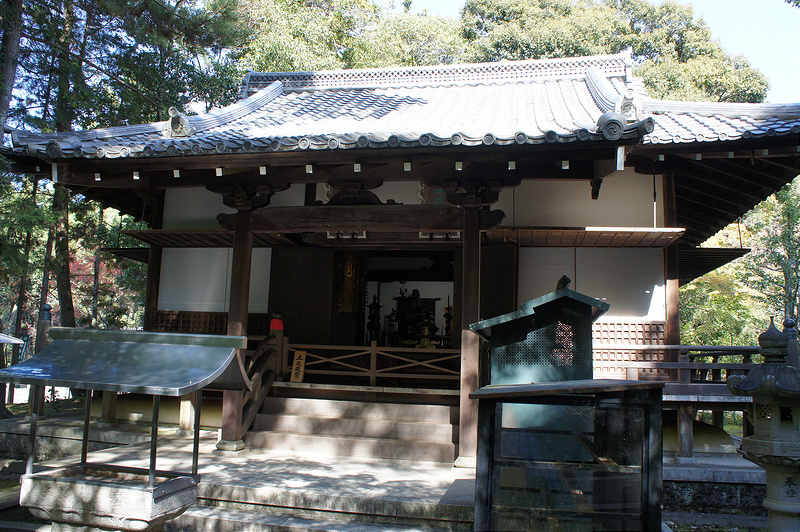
{"x": 775, "y": 443}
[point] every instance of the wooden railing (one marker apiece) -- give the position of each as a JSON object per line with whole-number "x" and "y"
{"x": 261, "y": 368}
{"x": 698, "y": 370}
{"x": 695, "y": 382}
{"x": 377, "y": 366}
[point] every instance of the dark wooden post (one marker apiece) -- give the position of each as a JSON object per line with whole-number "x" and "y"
{"x": 484, "y": 470}
{"x": 233, "y": 400}
{"x": 470, "y": 342}
{"x": 153, "y": 263}
{"x": 673, "y": 333}
{"x": 685, "y": 433}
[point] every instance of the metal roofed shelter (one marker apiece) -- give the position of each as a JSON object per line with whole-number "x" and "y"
{"x": 119, "y": 361}
{"x": 310, "y": 167}
{"x": 6, "y": 339}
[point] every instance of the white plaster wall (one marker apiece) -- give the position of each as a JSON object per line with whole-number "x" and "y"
{"x": 197, "y": 208}
{"x": 405, "y": 192}
{"x": 198, "y": 279}
{"x": 294, "y": 196}
{"x": 626, "y": 200}
{"x": 192, "y": 208}
{"x": 630, "y": 280}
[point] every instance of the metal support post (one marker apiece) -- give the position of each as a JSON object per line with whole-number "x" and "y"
{"x": 196, "y": 441}
{"x": 87, "y": 416}
{"x": 154, "y": 440}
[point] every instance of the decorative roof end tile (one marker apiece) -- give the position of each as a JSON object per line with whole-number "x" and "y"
{"x": 177, "y": 125}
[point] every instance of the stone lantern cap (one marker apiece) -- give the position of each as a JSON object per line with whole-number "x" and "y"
{"x": 773, "y": 378}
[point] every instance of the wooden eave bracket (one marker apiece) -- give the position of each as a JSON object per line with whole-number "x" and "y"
{"x": 248, "y": 197}
{"x": 349, "y": 218}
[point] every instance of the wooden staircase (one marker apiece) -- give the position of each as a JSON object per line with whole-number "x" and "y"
{"x": 362, "y": 434}
{"x": 374, "y": 425}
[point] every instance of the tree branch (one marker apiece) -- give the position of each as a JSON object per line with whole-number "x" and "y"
{"x": 95, "y": 66}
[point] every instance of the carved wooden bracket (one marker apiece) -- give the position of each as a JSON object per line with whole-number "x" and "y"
{"x": 596, "y": 184}
{"x": 247, "y": 197}
{"x": 355, "y": 192}
{"x": 470, "y": 194}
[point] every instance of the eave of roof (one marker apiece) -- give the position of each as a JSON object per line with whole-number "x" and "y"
{"x": 507, "y": 103}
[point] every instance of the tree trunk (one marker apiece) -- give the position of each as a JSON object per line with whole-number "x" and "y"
{"x": 64, "y": 110}
{"x": 23, "y": 288}
{"x": 61, "y": 267}
{"x": 44, "y": 293}
{"x": 4, "y": 413}
{"x": 11, "y": 16}
{"x": 96, "y": 284}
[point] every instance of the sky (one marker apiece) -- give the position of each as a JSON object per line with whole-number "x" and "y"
{"x": 767, "y": 32}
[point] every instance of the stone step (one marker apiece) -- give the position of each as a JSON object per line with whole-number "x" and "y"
{"x": 368, "y": 428}
{"x": 17, "y": 526}
{"x": 343, "y": 446}
{"x": 208, "y": 519}
{"x": 338, "y": 409}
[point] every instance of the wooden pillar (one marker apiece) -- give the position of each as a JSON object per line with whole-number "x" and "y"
{"x": 685, "y": 433}
{"x": 470, "y": 342}
{"x": 673, "y": 332}
{"x": 311, "y": 194}
{"x": 108, "y": 412}
{"x": 153, "y": 267}
{"x": 186, "y": 413}
{"x": 233, "y": 400}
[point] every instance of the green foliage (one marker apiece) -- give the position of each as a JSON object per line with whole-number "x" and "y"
{"x": 537, "y": 29}
{"x": 408, "y": 39}
{"x": 102, "y": 63}
{"x": 717, "y": 309}
{"x": 772, "y": 268}
{"x": 297, "y": 35}
{"x": 675, "y": 53}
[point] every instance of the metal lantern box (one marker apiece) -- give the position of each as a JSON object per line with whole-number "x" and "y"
{"x": 549, "y": 339}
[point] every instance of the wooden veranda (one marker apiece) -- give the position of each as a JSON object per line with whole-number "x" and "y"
{"x": 694, "y": 376}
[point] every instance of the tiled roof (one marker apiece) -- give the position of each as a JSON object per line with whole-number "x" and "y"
{"x": 520, "y": 102}
{"x": 680, "y": 122}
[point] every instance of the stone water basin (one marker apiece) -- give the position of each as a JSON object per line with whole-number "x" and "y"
{"x": 81, "y": 496}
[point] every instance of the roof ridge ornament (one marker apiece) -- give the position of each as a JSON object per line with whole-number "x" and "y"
{"x": 177, "y": 125}
{"x": 630, "y": 105}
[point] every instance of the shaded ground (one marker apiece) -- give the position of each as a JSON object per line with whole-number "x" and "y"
{"x": 59, "y": 406}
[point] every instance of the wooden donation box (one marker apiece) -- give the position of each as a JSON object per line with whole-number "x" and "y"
{"x": 600, "y": 474}
{"x": 549, "y": 339}
{"x": 556, "y": 449}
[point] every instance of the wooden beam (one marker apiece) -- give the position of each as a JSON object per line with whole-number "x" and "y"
{"x": 789, "y": 167}
{"x": 723, "y": 182}
{"x": 374, "y": 156}
{"x": 202, "y": 170}
{"x": 360, "y": 218}
{"x": 736, "y": 170}
{"x": 708, "y": 202}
